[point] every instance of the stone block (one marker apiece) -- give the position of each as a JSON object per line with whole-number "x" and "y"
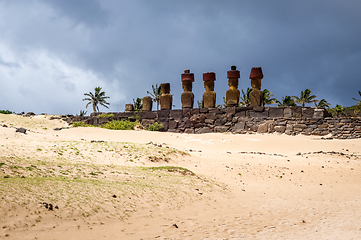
{"x": 172, "y": 124}
{"x": 280, "y": 129}
{"x": 287, "y": 112}
{"x": 221, "y": 129}
{"x": 346, "y": 121}
{"x": 307, "y": 112}
{"x": 149, "y": 115}
{"x": 189, "y": 130}
{"x": 296, "y": 112}
{"x": 299, "y": 125}
{"x": 212, "y": 116}
{"x": 231, "y": 110}
{"x": 240, "y": 114}
{"x": 176, "y": 114}
{"x": 235, "y": 119}
{"x": 258, "y": 114}
{"x": 194, "y": 111}
{"x": 312, "y": 126}
{"x": 163, "y": 113}
{"x": 243, "y": 109}
{"x": 165, "y": 122}
{"x": 323, "y": 126}
{"x": 262, "y": 128}
{"x": 146, "y": 122}
{"x": 220, "y": 122}
{"x": 203, "y": 130}
{"x": 187, "y": 112}
{"x": 319, "y": 113}
{"x": 280, "y": 123}
{"x": 258, "y": 109}
{"x": 203, "y": 110}
{"x": 276, "y": 112}
{"x": 238, "y": 127}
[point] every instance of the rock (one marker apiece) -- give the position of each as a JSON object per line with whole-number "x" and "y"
{"x": 280, "y": 129}
{"x": 203, "y": 130}
{"x": 220, "y": 129}
{"x": 263, "y": 128}
{"x": 21, "y": 130}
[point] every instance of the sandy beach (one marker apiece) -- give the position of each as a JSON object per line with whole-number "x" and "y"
{"x": 106, "y": 184}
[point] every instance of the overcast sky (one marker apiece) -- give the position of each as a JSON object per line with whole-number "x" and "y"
{"x": 54, "y": 51}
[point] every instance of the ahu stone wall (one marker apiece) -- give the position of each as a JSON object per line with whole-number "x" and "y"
{"x": 289, "y": 120}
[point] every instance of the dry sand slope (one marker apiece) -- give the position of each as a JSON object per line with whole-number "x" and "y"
{"x": 113, "y": 184}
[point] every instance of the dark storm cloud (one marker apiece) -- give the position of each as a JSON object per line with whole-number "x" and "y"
{"x": 126, "y": 46}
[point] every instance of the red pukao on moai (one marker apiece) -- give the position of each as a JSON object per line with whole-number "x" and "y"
{"x": 232, "y": 94}
{"x": 256, "y": 95}
{"x": 187, "y": 96}
{"x": 166, "y": 98}
{"x": 209, "y": 97}
{"x": 147, "y": 103}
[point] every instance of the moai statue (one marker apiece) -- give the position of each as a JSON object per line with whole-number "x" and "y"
{"x": 209, "y": 97}
{"x": 256, "y": 95}
{"x": 129, "y": 107}
{"x": 166, "y": 98}
{"x": 187, "y": 96}
{"x": 232, "y": 95}
{"x": 147, "y": 103}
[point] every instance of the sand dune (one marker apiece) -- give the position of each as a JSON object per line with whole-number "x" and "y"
{"x": 114, "y": 184}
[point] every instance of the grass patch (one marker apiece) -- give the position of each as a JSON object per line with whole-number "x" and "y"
{"x": 120, "y": 125}
{"x": 104, "y": 115}
{"x": 181, "y": 170}
{"x": 81, "y": 124}
{"x": 155, "y": 127}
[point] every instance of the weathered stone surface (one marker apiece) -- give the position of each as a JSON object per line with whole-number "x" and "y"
{"x": 289, "y": 127}
{"x": 21, "y": 130}
{"x": 231, "y": 110}
{"x": 280, "y": 129}
{"x": 258, "y": 114}
{"x": 212, "y": 116}
{"x": 221, "y": 129}
{"x": 262, "y": 128}
{"x": 296, "y": 112}
{"x": 307, "y": 112}
{"x": 312, "y": 126}
{"x": 276, "y": 112}
{"x": 345, "y": 121}
{"x": 176, "y": 114}
{"x": 163, "y": 113}
{"x": 172, "y": 124}
{"x": 302, "y": 126}
{"x": 189, "y": 130}
{"x": 166, "y": 99}
{"x": 323, "y": 126}
{"x": 220, "y": 122}
{"x": 203, "y": 110}
{"x": 146, "y": 122}
{"x": 287, "y": 112}
{"x": 150, "y": 115}
{"x": 209, "y": 121}
{"x": 238, "y": 127}
{"x": 129, "y": 107}
{"x": 319, "y": 113}
{"x": 147, "y": 103}
{"x": 209, "y": 97}
{"x": 280, "y": 123}
{"x": 203, "y": 130}
{"x": 240, "y": 114}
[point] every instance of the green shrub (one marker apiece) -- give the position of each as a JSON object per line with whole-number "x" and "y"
{"x": 106, "y": 115}
{"x": 120, "y": 125}
{"x": 155, "y": 127}
{"x": 6, "y": 112}
{"x": 81, "y": 124}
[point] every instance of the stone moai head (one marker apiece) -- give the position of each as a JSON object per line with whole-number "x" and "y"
{"x": 147, "y": 103}
{"x": 129, "y": 107}
{"x": 165, "y": 87}
{"x": 209, "y": 97}
{"x": 256, "y": 76}
{"x": 232, "y": 95}
{"x": 233, "y": 75}
{"x": 166, "y": 98}
{"x": 187, "y": 97}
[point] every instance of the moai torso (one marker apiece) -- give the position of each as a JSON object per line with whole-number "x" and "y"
{"x": 166, "y": 98}
{"x": 232, "y": 94}
{"x": 187, "y": 97}
{"x": 147, "y": 104}
{"x": 256, "y": 95}
{"x": 209, "y": 97}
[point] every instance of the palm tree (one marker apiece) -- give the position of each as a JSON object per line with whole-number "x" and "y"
{"x": 306, "y": 97}
{"x": 244, "y": 99}
{"x": 97, "y": 98}
{"x": 267, "y": 98}
{"x": 322, "y": 104}
{"x": 137, "y": 104}
{"x": 358, "y": 106}
{"x": 286, "y": 101}
{"x": 157, "y": 91}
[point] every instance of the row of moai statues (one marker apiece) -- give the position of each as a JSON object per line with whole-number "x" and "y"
{"x": 209, "y": 97}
